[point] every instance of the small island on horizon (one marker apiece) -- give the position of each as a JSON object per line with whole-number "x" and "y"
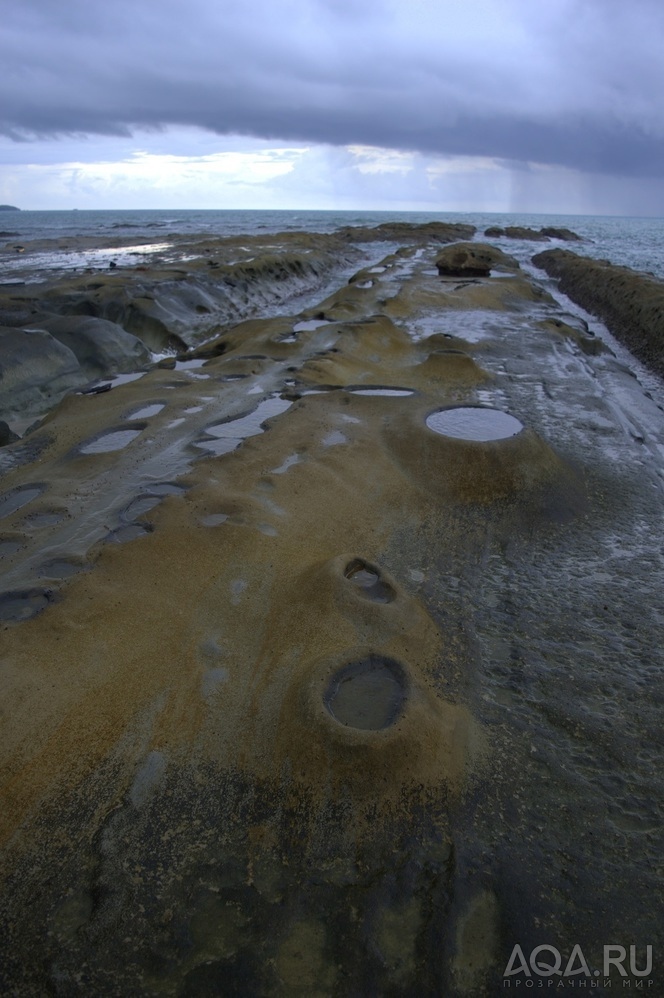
{"x": 8, "y": 207}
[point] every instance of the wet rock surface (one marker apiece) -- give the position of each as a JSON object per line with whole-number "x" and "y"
{"x": 631, "y": 304}
{"x": 101, "y": 347}
{"x": 36, "y": 370}
{"x": 302, "y": 695}
{"x": 162, "y": 298}
{"x": 539, "y": 235}
{"x": 471, "y": 260}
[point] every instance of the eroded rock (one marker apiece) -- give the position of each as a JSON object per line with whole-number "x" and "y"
{"x": 631, "y": 304}
{"x": 100, "y": 346}
{"x": 35, "y": 370}
{"x": 472, "y": 260}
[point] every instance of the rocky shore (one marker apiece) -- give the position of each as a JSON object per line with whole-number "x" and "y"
{"x": 330, "y": 641}
{"x": 63, "y": 332}
{"x": 631, "y": 304}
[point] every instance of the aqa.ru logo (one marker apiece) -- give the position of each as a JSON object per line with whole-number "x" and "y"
{"x": 547, "y": 962}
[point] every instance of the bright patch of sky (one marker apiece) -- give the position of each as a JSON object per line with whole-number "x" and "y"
{"x": 412, "y": 104}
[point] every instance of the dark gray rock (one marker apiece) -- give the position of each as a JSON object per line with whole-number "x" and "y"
{"x": 557, "y": 233}
{"x": 523, "y": 232}
{"x": 35, "y": 370}
{"x": 6, "y": 434}
{"x": 100, "y": 346}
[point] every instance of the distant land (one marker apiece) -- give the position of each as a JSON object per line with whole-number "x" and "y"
{"x": 8, "y": 207}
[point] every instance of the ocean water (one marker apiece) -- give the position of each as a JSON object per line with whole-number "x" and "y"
{"x": 631, "y": 242}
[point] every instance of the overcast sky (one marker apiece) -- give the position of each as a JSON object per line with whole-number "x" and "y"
{"x": 470, "y": 105}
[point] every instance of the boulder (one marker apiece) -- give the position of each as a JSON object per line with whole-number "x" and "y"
{"x": 553, "y": 232}
{"x": 7, "y": 436}
{"x": 522, "y": 232}
{"x": 16, "y": 313}
{"x": 100, "y": 346}
{"x": 35, "y": 370}
{"x": 472, "y": 260}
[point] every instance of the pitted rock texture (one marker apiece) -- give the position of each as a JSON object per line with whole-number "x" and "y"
{"x": 296, "y": 690}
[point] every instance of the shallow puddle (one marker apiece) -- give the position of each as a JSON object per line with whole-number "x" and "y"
{"x": 394, "y": 392}
{"x": 46, "y": 519}
{"x": 334, "y": 439}
{"x": 130, "y": 532}
{"x": 223, "y": 445}
{"x": 474, "y": 423}
{"x": 107, "y": 383}
{"x": 189, "y": 365}
{"x": 11, "y": 501}
{"x": 9, "y": 546}
{"x": 214, "y": 519}
{"x": 268, "y": 530}
{"x": 233, "y": 431}
{"x": 288, "y": 463}
{"x": 61, "y": 568}
{"x": 212, "y": 681}
{"x": 167, "y": 489}
{"x": 368, "y": 580}
{"x": 368, "y": 694}
{"x": 308, "y": 325}
{"x": 23, "y": 604}
{"x": 109, "y": 442}
{"x": 140, "y": 505}
{"x": 148, "y": 411}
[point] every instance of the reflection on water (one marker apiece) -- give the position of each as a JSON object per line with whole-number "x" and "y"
{"x": 368, "y": 694}
{"x": 116, "y": 440}
{"x": 474, "y": 423}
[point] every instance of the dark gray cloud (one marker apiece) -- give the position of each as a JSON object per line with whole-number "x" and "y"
{"x": 576, "y": 83}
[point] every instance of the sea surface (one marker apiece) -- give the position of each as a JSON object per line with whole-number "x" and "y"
{"x": 631, "y": 242}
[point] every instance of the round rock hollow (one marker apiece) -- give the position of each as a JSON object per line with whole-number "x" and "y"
{"x": 368, "y": 694}
{"x": 474, "y": 423}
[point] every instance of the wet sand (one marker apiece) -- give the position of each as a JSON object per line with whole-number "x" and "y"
{"x": 301, "y": 695}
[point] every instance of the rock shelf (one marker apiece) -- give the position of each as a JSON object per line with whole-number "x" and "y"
{"x": 631, "y": 304}
{"x": 302, "y": 695}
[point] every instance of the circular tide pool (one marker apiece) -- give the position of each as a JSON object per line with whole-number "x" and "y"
{"x": 474, "y": 423}
{"x": 368, "y": 694}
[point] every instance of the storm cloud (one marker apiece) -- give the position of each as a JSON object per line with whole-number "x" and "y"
{"x": 572, "y": 83}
